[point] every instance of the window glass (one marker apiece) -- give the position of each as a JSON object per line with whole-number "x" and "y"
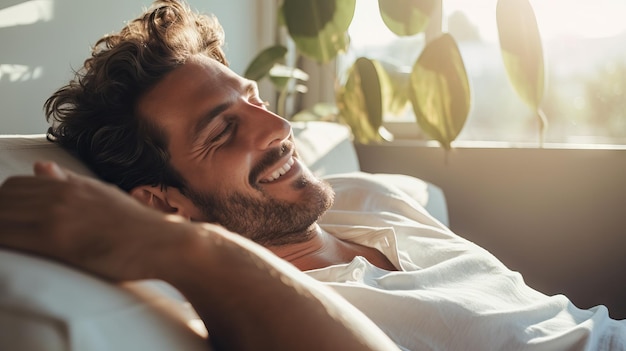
{"x": 584, "y": 45}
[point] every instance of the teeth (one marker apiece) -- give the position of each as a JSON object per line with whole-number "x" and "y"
{"x": 279, "y": 172}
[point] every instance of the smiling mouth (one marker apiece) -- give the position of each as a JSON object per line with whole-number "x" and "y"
{"x": 279, "y": 172}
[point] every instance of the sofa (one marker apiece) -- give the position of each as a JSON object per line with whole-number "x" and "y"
{"x": 46, "y": 305}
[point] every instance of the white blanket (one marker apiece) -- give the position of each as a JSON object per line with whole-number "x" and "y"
{"x": 451, "y": 294}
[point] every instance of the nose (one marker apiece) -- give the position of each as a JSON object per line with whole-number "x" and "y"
{"x": 266, "y": 129}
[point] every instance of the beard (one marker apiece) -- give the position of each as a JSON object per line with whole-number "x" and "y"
{"x": 266, "y": 220}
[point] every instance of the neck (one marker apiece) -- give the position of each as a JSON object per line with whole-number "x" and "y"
{"x": 323, "y": 249}
{"x": 308, "y": 254}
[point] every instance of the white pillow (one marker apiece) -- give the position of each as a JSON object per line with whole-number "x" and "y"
{"x": 46, "y": 305}
{"x": 19, "y": 152}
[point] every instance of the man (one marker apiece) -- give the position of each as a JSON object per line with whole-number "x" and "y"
{"x": 117, "y": 117}
{"x": 157, "y": 112}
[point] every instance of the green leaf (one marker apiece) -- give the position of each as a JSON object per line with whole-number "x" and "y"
{"x": 281, "y": 75}
{"x": 440, "y": 91}
{"x": 395, "y": 87}
{"x": 319, "y": 27}
{"x": 406, "y": 17}
{"x": 360, "y": 100}
{"x": 521, "y": 49}
{"x": 290, "y": 72}
{"x": 370, "y": 85}
{"x": 261, "y": 65}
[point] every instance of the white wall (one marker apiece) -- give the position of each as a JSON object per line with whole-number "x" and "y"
{"x": 60, "y": 40}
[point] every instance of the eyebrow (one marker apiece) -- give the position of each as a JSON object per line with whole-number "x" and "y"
{"x": 250, "y": 88}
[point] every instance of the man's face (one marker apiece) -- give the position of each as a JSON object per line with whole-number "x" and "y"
{"x": 238, "y": 158}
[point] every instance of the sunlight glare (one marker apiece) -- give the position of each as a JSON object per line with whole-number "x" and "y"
{"x": 19, "y": 73}
{"x": 556, "y": 18}
{"x": 367, "y": 27}
{"x": 28, "y": 12}
{"x": 581, "y": 19}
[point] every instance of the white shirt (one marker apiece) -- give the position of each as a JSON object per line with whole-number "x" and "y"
{"x": 450, "y": 294}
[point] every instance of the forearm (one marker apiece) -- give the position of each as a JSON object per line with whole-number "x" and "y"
{"x": 250, "y": 299}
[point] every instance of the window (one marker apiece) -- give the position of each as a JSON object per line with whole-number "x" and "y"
{"x": 584, "y": 46}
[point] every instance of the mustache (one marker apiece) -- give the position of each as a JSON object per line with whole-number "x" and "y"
{"x": 270, "y": 158}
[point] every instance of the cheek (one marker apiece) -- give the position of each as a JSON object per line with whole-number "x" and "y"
{"x": 221, "y": 175}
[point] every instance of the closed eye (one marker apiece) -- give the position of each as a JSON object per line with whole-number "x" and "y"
{"x": 213, "y": 142}
{"x": 229, "y": 125}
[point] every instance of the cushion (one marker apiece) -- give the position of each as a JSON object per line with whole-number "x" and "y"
{"x": 45, "y": 306}
{"x": 19, "y": 152}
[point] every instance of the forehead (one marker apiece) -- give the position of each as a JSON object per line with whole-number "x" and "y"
{"x": 188, "y": 90}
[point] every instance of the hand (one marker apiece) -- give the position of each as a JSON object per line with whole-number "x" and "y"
{"x": 79, "y": 220}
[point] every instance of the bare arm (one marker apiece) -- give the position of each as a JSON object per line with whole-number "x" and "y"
{"x": 247, "y": 297}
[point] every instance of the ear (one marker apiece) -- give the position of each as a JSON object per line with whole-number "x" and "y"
{"x": 169, "y": 200}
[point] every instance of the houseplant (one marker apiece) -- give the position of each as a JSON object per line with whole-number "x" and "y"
{"x": 437, "y": 86}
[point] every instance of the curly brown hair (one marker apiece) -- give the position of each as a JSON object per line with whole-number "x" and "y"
{"x": 94, "y": 115}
